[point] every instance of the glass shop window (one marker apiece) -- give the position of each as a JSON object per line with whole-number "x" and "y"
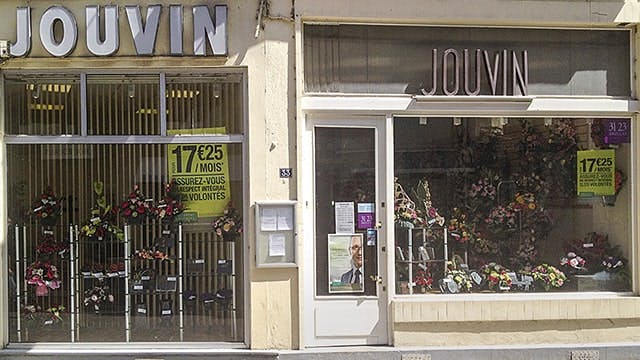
{"x": 487, "y": 205}
{"x": 117, "y": 239}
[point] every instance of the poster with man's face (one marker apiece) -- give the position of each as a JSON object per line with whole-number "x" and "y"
{"x": 346, "y": 263}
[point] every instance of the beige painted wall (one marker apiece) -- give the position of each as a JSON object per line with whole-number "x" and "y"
{"x": 272, "y": 319}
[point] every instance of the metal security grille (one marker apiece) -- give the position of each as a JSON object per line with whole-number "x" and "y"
{"x": 68, "y": 132}
{"x": 36, "y": 105}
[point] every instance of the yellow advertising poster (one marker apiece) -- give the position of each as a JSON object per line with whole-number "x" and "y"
{"x": 596, "y": 172}
{"x": 201, "y": 172}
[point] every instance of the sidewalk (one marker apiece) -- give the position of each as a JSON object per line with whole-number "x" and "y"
{"x": 206, "y": 352}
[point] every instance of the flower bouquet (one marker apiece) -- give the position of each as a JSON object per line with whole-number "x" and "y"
{"x": 573, "y": 262}
{"x": 48, "y": 246}
{"x": 404, "y": 209}
{"x": 612, "y": 264}
{"x": 496, "y": 276}
{"x": 102, "y": 218}
{"x": 229, "y": 225}
{"x": 459, "y": 229}
{"x": 170, "y": 205}
{"x": 96, "y": 296}
{"x": 423, "y": 280}
{"x": 55, "y": 314}
{"x": 44, "y": 276}
{"x": 548, "y": 276}
{"x": 424, "y": 206}
{"x": 47, "y": 208}
{"x": 136, "y": 208}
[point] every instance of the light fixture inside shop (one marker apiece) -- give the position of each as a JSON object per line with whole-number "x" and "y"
{"x": 35, "y": 91}
{"x": 46, "y": 107}
{"x": 217, "y": 91}
{"x": 423, "y": 120}
{"x": 131, "y": 91}
{"x": 52, "y": 88}
{"x": 457, "y": 121}
{"x": 547, "y": 121}
{"x": 183, "y": 94}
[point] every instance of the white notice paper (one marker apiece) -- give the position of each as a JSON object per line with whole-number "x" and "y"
{"x": 285, "y": 218}
{"x": 345, "y": 223}
{"x": 276, "y": 245}
{"x": 269, "y": 219}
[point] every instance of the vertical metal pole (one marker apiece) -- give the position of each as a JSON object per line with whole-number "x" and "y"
{"x": 73, "y": 282}
{"x": 410, "y": 255}
{"x": 180, "y": 285}
{"x": 233, "y": 289}
{"x": 18, "y": 281}
{"x": 24, "y": 262}
{"x": 77, "y": 275}
{"x": 127, "y": 299}
{"x": 446, "y": 250}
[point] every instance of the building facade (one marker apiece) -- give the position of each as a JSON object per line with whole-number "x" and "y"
{"x": 296, "y": 174}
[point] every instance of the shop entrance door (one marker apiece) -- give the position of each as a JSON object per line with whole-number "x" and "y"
{"x": 349, "y": 300}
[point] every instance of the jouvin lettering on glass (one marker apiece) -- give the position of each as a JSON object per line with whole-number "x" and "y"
{"x": 453, "y": 64}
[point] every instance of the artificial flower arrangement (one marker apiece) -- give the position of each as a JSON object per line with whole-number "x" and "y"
{"x": 50, "y": 316}
{"x": 49, "y": 246}
{"x": 460, "y": 277}
{"x": 612, "y": 264}
{"x": 47, "y": 208}
{"x": 170, "y": 205}
{"x": 404, "y": 209}
{"x": 573, "y": 262}
{"x": 593, "y": 248}
{"x": 427, "y": 213}
{"x": 42, "y": 274}
{"x": 55, "y": 314}
{"x": 136, "y": 207}
{"x": 102, "y": 221}
{"x": 548, "y": 276}
{"x": 151, "y": 254}
{"x": 459, "y": 229}
{"x": 96, "y": 296}
{"x": 229, "y": 224}
{"x": 423, "y": 279}
{"x": 496, "y": 276}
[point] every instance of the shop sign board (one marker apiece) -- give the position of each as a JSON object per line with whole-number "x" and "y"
{"x": 103, "y": 32}
{"x": 509, "y": 66}
{"x": 596, "y": 172}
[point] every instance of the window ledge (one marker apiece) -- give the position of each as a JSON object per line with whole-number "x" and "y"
{"x": 520, "y": 307}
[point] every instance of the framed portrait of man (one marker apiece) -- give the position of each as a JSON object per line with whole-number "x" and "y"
{"x": 346, "y": 263}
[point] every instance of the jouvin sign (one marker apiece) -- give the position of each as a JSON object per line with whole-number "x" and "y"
{"x": 206, "y": 29}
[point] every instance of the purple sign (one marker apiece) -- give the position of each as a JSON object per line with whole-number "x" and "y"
{"x": 617, "y": 131}
{"x": 365, "y": 220}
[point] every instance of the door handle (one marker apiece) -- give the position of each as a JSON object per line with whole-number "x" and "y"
{"x": 377, "y": 278}
{"x": 379, "y": 225}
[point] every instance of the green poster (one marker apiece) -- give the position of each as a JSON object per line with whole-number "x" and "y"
{"x": 201, "y": 172}
{"x": 596, "y": 172}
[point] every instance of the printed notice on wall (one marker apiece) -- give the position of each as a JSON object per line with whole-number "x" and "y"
{"x": 596, "y": 172}
{"x": 276, "y": 218}
{"x": 201, "y": 172}
{"x": 276, "y": 245}
{"x": 345, "y": 223}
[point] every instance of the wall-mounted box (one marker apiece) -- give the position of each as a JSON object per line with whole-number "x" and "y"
{"x": 275, "y": 234}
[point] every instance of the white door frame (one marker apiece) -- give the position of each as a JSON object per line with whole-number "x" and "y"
{"x": 323, "y": 323}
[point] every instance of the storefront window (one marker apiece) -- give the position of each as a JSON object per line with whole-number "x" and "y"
{"x": 116, "y": 241}
{"x": 511, "y": 204}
